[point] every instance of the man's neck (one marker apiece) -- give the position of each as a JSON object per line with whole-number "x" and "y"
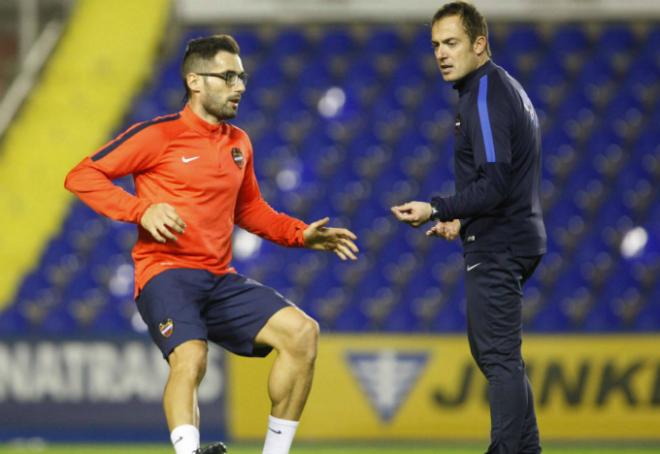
{"x": 202, "y": 113}
{"x": 482, "y": 61}
{"x": 461, "y": 84}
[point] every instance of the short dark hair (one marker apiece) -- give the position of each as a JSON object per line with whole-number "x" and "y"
{"x": 201, "y": 50}
{"x": 473, "y": 22}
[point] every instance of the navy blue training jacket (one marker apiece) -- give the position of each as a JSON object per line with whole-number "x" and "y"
{"x": 497, "y": 160}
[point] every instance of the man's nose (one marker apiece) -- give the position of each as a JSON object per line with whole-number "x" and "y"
{"x": 240, "y": 86}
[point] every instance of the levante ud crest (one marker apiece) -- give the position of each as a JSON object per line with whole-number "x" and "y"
{"x": 237, "y": 155}
{"x": 166, "y": 328}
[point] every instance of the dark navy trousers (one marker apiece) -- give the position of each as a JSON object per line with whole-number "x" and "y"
{"x": 493, "y": 283}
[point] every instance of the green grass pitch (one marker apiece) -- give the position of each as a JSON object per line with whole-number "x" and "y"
{"x": 326, "y": 448}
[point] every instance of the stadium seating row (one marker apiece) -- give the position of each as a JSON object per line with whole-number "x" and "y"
{"x": 348, "y": 121}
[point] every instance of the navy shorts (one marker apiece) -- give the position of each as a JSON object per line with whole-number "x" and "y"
{"x": 183, "y": 304}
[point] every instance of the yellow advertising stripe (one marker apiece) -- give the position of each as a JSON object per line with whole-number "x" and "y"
{"x": 105, "y": 54}
{"x": 428, "y": 388}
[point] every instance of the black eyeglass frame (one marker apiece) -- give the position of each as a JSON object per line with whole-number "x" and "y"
{"x": 230, "y": 77}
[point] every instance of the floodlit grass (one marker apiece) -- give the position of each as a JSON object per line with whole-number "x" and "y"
{"x": 327, "y": 448}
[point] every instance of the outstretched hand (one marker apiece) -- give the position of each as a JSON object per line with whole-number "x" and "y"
{"x": 447, "y": 230}
{"x": 340, "y": 241}
{"x": 160, "y": 219}
{"x": 413, "y": 213}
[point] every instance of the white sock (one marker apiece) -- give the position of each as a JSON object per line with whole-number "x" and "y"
{"x": 185, "y": 439}
{"x": 279, "y": 436}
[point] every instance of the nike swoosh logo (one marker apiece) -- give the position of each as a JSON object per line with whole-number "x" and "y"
{"x": 187, "y": 160}
{"x": 178, "y": 440}
{"x": 471, "y": 267}
{"x": 278, "y": 432}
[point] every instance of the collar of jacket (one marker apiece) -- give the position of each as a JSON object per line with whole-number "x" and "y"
{"x": 470, "y": 80}
{"x": 200, "y": 125}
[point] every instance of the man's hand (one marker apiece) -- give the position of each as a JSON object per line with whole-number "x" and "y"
{"x": 447, "y": 230}
{"x": 413, "y": 213}
{"x": 159, "y": 219}
{"x": 321, "y": 238}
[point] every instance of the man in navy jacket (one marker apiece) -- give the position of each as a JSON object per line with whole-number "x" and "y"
{"x": 496, "y": 211}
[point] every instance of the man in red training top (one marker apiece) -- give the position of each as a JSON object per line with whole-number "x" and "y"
{"x": 194, "y": 178}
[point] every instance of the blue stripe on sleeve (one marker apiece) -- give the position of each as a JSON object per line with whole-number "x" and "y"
{"x": 108, "y": 149}
{"x": 485, "y": 119}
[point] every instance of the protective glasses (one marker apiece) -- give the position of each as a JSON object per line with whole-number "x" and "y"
{"x": 230, "y": 77}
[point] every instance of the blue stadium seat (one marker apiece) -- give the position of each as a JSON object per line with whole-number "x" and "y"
{"x": 315, "y": 75}
{"x": 410, "y": 73}
{"x": 291, "y": 42}
{"x": 421, "y": 42}
{"x": 651, "y": 48}
{"x": 337, "y": 41}
{"x": 648, "y": 318}
{"x": 597, "y": 77}
{"x": 383, "y": 41}
{"x": 642, "y": 79}
{"x": 546, "y": 82}
{"x": 452, "y": 316}
{"x": 616, "y": 39}
{"x": 13, "y": 323}
{"x": 523, "y": 39}
{"x": 249, "y": 41}
{"x": 569, "y": 39}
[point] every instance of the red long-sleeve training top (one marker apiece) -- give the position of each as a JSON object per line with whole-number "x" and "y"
{"x": 205, "y": 171}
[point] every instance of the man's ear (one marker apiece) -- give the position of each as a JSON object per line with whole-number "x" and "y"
{"x": 194, "y": 82}
{"x": 480, "y": 45}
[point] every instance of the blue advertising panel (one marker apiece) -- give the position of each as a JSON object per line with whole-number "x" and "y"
{"x": 96, "y": 390}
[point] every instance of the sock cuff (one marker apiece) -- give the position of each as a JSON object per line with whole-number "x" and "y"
{"x": 284, "y": 422}
{"x": 184, "y": 429}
